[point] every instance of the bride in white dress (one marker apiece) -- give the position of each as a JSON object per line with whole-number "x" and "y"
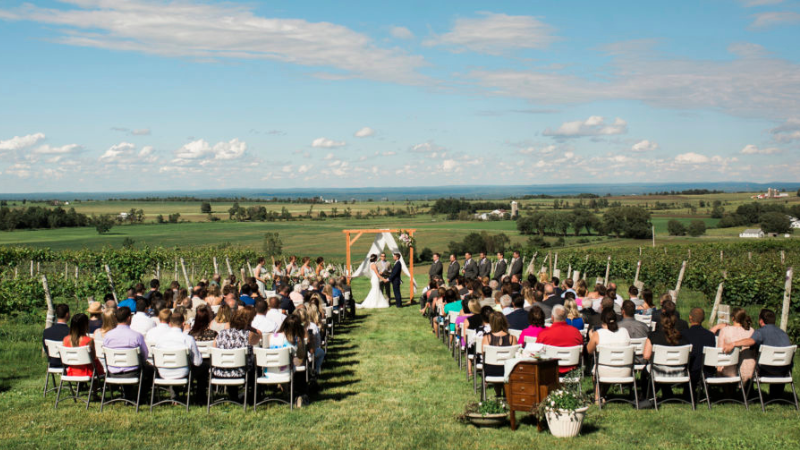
{"x": 375, "y": 298}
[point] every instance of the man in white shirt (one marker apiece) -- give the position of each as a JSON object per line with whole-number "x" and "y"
{"x": 175, "y": 339}
{"x": 274, "y": 314}
{"x": 261, "y": 322}
{"x": 141, "y": 322}
{"x": 505, "y": 303}
{"x": 156, "y": 333}
{"x": 633, "y": 292}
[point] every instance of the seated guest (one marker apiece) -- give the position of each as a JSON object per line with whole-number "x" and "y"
{"x": 567, "y": 287}
{"x": 214, "y": 295}
{"x": 130, "y": 301}
{"x": 175, "y": 339}
{"x": 666, "y": 334}
{"x": 109, "y": 302}
{"x": 667, "y": 305}
{"x": 608, "y": 335}
{"x": 313, "y": 339}
{"x": 296, "y": 296}
{"x": 452, "y": 304}
{"x": 95, "y": 313}
{"x": 636, "y": 329}
{"x": 292, "y": 334}
{"x": 506, "y": 305}
{"x": 287, "y": 305}
{"x": 471, "y": 307}
{"x": 538, "y": 296}
{"x": 141, "y": 322}
{"x": 551, "y": 297}
{"x": 699, "y": 337}
{"x": 109, "y": 323}
{"x": 201, "y": 328}
{"x": 123, "y": 337}
{"x": 596, "y": 297}
{"x": 237, "y": 336}
{"x": 574, "y": 316}
{"x": 223, "y": 318}
{"x": 580, "y": 296}
{"x": 275, "y": 313}
{"x": 633, "y": 294}
{"x": 155, "y": 334}
{"x": 535, "y": 324}
{"x": 79, "y": 337}
{"x": 230, "y": 297}
{"x": 245, "y": 296}
{"x": 261, "y": 322}
{"x": 518, "y": 317}
{"x": 741, "y": 328}
{"x": 57, "y": 332}
{"x": 498, "y": 337}
{"x": 767, "y": 334}
{"x": 596, "y": 320}
{"x": 560, "y": 334}
{"x": 646, "y": 308}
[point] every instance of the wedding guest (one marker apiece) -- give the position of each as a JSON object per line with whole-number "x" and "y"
{"x": 214, "y": 295}
{"x": 157, "y": 332}
{"x": 666, "y": 334}
{"x": 57, "y": 332}
{"x": 535, "y": 324}
{"x": 646, "y": 308}
{"x": 95, "y": 312}
{"x": 741, "y": 328}
{"x": 201, "y": 329}
{"x": 222, "y": 319}
{"x": 574, "y": 316}
{"x": 560, "y": 334}
{"x": 292, "y": 334}
{"x": 275, "y": 313}
{"x": 123, "y": 337}
{"x": 699, "y": 337}
{"x": 109, "y": 323}
{"x": 79, "y": 337}
{"x": 237, "y": 336}
{"x": 261, "y": 322}
{"x": 608, "y": 335}
{"x": 518, "y": 317}
{"x": 141, "y": 322}
{"x": 636, "y": 329}
{"x": 498, "y": 337}
{"x": 175, "y": 339}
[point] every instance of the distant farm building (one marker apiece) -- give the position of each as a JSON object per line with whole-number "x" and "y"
{"x": 752, "y": 233}
{"x": 771, "y": 193}
{"x": 494, "y": 215}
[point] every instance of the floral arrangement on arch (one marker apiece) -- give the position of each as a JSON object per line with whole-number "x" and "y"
{"x": 407, "y": 239}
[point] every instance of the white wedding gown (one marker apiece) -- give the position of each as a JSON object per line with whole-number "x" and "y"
{"x": 375, "y": 298}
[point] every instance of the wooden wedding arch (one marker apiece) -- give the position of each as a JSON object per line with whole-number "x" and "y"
{"x": 358, "y": 233}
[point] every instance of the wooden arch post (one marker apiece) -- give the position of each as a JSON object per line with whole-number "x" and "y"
{"x": 352, "y": 240}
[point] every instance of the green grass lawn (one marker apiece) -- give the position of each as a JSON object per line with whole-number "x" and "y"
{"x": 387, "y": 384}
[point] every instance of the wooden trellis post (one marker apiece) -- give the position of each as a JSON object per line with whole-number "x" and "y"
{"x": 717, "y": 300}
{"x": 216, "y": 266}
{"x": 787, "y": 297}
{"x": 680, "y": 280}
{"x": 111, "y": 283}
{"x": 228, "y": 262}
{"x": 608, "y": 270}
{"x": 186, "y": 276}
{"x": 638, "y": 267}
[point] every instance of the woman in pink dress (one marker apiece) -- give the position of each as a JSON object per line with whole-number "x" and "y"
{"x": 740, "y": 329}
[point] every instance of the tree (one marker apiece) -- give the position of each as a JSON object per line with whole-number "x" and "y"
{"x": 717, "y": 212}
{"x": 103, "y": 223}
{"x": 775, "y": 222}
{"x": 273, "y": 246}
{"x": 205, "y": 208}
{"x": 160, "y": 218}
{"x": 628, "y": 221}
{"x": 697, "y": 228}
{"x": 676, "y": 228}
{"x": 128, "y": 243}
{"x": 174, "y": 218}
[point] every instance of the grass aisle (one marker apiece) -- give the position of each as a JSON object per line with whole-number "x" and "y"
{"x": 388, "y": 384}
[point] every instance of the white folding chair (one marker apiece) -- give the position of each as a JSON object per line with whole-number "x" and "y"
{"x": 123, "y": 357}
{"x": 775, "y": 357}
{"x": 566, "y": 356}
{"x": 676, "y": 360}
{"x": 227, "y": 359}
{"x": 478, "y": 363}
{"x": 277, "y": 367}
{"x": 647, "y": 320}
{"x": 337, "y": 301}
{"x": 52, "y": 352}
{"x": 170, "y": 359}
{"x": 530, "y": 340}
{"x": 329, "y": 321}
{"x": 204, "y": 347}
{"x": 469, "y": 336}
{"x": 638, "y": 353}
{"x": 548, "y": 323}
{"x": 495, "y": 355}
{"x": 515, "y": 333}
{"x": 715, "y": 357}
{"x": 76, "y": 356}
{"x": 615, "y": 357}
{"x": 337, "y": 311}
{"x": 98, "y": 351}
{"x": 451, "y": 320}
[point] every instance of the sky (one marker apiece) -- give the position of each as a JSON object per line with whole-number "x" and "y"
{"x": 143, "y": 95}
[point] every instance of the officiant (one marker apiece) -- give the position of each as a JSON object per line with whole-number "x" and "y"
{"x": 384, "y": 268}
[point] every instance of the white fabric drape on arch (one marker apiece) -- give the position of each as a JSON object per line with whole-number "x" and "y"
{"x": 382, "y": 240}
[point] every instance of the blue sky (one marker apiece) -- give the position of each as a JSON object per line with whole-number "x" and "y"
{"x": 146, "y": 95}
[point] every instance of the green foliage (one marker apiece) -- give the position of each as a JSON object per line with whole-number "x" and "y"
{"x": 205, "y": 208}
{"x": 103, "y": 223}
{"x": 480, "y": 242}
{"x": 676, "y": 228}
{"x": 697, "y": 228}
{"x": 775, "y": 222}
{"x": 128, "y": 243}
{"x": 717, "y": 212}
{"x": 273, "y": 246}
{"x": 628, "y": 221}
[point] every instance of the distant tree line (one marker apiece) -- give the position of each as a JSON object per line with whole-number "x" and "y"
{"x": 773, "y": 217}
{"x": 34, "y": 217}
{"x": 688, "y": 192}
{"x": 622, "y": 221}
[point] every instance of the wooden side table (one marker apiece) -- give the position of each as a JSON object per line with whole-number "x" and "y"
{"x": 529, "y": 383}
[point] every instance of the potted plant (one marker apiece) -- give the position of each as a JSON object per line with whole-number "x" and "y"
{"x": 564, "y": 409}
{"x": 491, "y": 413}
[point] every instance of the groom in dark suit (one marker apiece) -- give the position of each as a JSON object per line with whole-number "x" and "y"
{"x": 394, "y": 278}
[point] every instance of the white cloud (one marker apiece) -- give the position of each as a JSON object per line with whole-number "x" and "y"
{"x": 401, "y": 33}
{"x": 449, "y": 165}
{"x": 141, "y": 132}
{"x": 750, "y": 85}
{"x": 364, "y": 132}
{"x": 644, "y": 146}
{"x": 329, "y": 156}
{"x": 593, "y": 126}
{"x": 774, "y": 18}
{"x": 495, "y": 34}
{"x": 20, "y": 142}
{"x": 326, "y": 143}
{"x": 692, "y": 158}
{"x": 202, "y": 152}
{"x": 544, "y": 150}
{"x": 754, "y": 150}
{"x": 20, "y": 170}
{"x": 207, "y": 32}
{"x": 117, "y": 152}
{"x": 788, "y": 131}
{"x": 304, "y": 168}
{"x": 63, "y": 150}
{"x": 427, "y": 147}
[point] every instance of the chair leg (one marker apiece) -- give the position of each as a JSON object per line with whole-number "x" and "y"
{"x": 89, "y": 393}
{"x": 655, "y": 393}
{"x": 103, "y": 395}
{"x": 635, "y": 392}
{"x": 47, "y": 380}
{"x": 708, "y": 394}
{"x": 188, "y": 391}
{"x": 139, "y": 392}
{"x": 483, "y": 384}
{"x": 760, "y": 394}
{"x": 794, "y": 394}
{"x": 691, "y": 393}
{"x": 153, "y": 391}
{"x": 58, "y": 394}
{"x": 208, "y": 403}
{"x": 291, "y": 392}
{"x": 244, "y": 398}
{"x": 744, "y": 394}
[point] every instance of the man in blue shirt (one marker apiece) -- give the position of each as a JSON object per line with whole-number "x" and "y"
{"x": 770, "y": 335}
{"x": 246, "y": 297}
{"x": 129, "y": 302}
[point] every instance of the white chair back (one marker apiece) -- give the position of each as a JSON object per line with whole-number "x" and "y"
{"x": 643, "y": 318}
{"x": 776, "y": 356}
{"x": 479, "y": 346}
{"x": 347, "y": 296}
{"x": 566, "y": 356}
{"x": 264, "y": 343}
{"x": 205, "y": 348}
{"x": 495, "y": 355}
{"x": 273, "y": 358}
{"x": 328, "y": 312}
{"x": 121, "y": 357}
{"x": 713, "y": 356}
{"x": 452, "y": 316}
{"x": 335, "y": 302}
{"x": 52, "y": 348}
{"x": 228, "y": 358}
{"x": 270, "y": 294}
{"x": 638, "y": 345}
{"x": 75, "y": 356}
{"x": 515, "y": 333}
{"x": 470, "y": 335}
{"x": 671, "y": 356}
{"x": 615, "y": 356}
{"x": 171, "y": 359}
{"x": 530, "y": 340}
{"x": 548, "y": 323}
{"x": 215, "y": 308}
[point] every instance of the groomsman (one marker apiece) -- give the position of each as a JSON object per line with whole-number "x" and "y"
{"x": 470, "y": 267}
{"x": 500, "y": 268}
{"x": 516, "y": 266}
{"x": 484, "y": 266}
{"x": 453, "y": 270}
{"x": 436, "y": 268}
